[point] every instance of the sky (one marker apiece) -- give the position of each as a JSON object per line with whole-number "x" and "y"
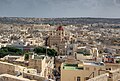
{"x": 60, "y": 8}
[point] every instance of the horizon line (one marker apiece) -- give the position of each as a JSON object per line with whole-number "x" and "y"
{"x": 60, "y": 17}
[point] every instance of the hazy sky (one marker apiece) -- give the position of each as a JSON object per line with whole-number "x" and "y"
{"x": 60, "y": 8}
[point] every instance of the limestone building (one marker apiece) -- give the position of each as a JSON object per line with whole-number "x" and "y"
{"x": 58, "y": 38}
{"x": 72, "y": 70}
{"x": 43, "y": 64}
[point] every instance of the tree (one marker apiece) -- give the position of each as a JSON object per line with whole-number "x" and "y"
{"x": 42, "y": 50}
{"x": 39, "y": 50}
{"x": 51, "y": 52}
{"x": 10, "y": 51}
{"x": 26, "y": 56}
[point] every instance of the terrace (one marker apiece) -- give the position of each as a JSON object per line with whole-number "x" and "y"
{"x": 73, "y": 67}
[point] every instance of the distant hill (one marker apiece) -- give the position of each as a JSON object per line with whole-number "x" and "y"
{"x": 55, "y": 21}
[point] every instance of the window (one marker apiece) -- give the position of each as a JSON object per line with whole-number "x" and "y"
{"x": 87, "y": 78}
{"x": 78, "y": 78}
{"x": 109, "y": 68}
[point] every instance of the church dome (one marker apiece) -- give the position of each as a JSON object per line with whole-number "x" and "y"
{"x": 60, "y": 28}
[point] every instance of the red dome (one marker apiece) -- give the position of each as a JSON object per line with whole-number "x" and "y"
{"x": 60, "y": 28}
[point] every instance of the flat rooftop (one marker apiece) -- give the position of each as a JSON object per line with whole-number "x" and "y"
{"x": 94, "y": 63}
{"x": 14, "y": 77}
{"x": 7, "y": 63}
{"x": 79, "y": 66}
{"x": 72, "y": 67}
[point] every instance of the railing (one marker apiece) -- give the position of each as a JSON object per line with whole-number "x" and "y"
{"x": 111, "y": 76}
{"x": 103, "y": 77}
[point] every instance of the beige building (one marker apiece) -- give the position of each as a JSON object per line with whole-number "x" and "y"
{"x": 58, "y": 39}
{"x": 43, "y": 64}
{"x": 113, "y": 75}
{"x": 20, "y": 71}
{"x": 36, "y": 63}
{"x": 112, "y": 66}
{"x": 80, "y": 71}
{"x": 84, "y": 53}
{"x": 103, "y": 77}
{"x": 72, "y": 70}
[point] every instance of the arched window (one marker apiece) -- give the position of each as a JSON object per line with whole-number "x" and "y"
{"x": 78, "y": 78}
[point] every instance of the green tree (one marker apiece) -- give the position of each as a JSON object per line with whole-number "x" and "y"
{"x": 42, "y": 50}
{"x": 26, "y": 56}
{"x": 10, "y": 51}
{"x": 39, "y": 50}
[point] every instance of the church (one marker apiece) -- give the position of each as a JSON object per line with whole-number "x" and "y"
{"x": 58, "y": 38}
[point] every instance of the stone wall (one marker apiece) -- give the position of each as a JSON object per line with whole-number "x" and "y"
{"x": 114, "y": 75}
{"x": 7, "y": 77}
{"x": 33, "y": 77}
{"x": 103, "y": 77}
{"x": 7, "y": 68}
